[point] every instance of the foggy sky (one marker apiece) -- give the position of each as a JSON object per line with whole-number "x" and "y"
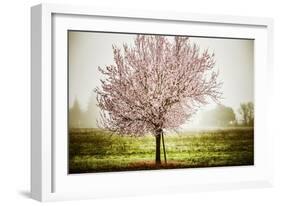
{"x": 88, "y": 50}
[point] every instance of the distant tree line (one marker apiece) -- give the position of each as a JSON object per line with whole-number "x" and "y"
{"x": 246, "y": 110}
{"x": 83, "y": 119}
{"x": 223, "y": 116}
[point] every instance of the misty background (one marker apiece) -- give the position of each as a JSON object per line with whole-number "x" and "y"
{"x": 234, "y": 60}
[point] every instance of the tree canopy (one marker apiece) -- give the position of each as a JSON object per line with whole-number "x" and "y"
{"x": 158, "y": 83}
{"x": 246, "y": 111}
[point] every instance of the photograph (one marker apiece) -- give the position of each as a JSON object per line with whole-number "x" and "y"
{"x": 139, "y": 101}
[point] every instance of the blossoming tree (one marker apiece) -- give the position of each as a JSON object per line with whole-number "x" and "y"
{"x": 155, "y": 85}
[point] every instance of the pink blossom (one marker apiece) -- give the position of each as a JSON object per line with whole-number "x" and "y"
{"x": 156, "y": 84}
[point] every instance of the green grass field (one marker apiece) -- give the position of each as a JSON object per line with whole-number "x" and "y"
{"x": 93, "y": 150}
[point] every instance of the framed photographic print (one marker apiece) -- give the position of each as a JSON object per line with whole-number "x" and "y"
{"x": 136, "y": 102}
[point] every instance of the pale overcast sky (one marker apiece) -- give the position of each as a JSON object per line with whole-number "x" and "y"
{"x": 88, "y": 50}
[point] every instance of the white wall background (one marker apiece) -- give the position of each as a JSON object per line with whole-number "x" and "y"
{"x": 15, "y": 101}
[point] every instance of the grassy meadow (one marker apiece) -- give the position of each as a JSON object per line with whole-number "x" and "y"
{"x": 93, "y": 150}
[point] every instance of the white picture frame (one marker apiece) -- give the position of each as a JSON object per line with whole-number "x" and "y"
{"x": 49, "y": 179}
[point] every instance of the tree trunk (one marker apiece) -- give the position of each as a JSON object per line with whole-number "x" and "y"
{"x": 164, "y": 150}
{"x": 158, "y": 144}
